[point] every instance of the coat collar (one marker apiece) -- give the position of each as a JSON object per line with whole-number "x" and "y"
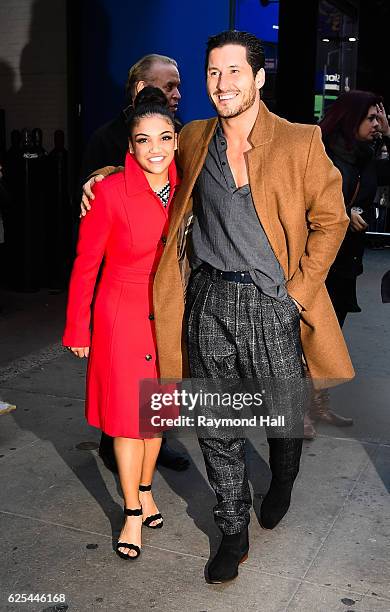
{"x": 262, "y": 131}
{"x": 136, "y": 181}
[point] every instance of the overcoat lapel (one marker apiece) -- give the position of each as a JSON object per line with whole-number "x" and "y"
{"x": 191, "y": 173}
{"x": 261, "y": 138}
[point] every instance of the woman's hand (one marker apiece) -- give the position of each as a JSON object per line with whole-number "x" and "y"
{"x": 88, "y": 194}
{"x": 383, "y": 127}
{"x": 81, "y": 352}
{"x": 357, "y": 223}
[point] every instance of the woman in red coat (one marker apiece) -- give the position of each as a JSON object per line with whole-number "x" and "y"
{"x": 111, "y": 322}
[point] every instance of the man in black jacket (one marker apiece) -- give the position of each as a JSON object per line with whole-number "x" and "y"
{"x": 108, "y": 145}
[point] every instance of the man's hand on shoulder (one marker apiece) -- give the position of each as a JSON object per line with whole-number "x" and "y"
{"x": 85, "y": 204}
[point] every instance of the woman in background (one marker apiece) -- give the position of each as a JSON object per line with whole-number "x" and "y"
{"x": 125, "y": 230}
{"x": 351, "y": 130}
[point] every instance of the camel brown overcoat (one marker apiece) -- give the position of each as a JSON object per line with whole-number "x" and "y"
{"x": 298, "y": 198}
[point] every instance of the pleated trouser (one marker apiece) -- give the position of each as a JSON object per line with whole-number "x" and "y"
{"x": 236, "y": 332}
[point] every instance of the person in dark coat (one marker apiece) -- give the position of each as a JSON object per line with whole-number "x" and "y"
{"x": 352, "y": 129}
{"x": 109, "y": 145}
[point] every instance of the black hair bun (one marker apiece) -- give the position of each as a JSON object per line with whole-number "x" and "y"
{"x": 150, "y": 96}
{"x": 149, "y": 101}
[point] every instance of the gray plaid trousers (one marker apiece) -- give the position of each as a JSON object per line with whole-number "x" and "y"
{"x": 236, "y": 332}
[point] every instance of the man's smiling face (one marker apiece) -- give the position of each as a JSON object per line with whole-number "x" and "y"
{"x": 231, "y": 85}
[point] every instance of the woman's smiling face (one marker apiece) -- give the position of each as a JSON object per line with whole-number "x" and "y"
{"x": 153, "y": 143}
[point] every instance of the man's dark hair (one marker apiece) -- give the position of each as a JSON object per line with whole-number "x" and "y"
{"x": 253, "y": 45}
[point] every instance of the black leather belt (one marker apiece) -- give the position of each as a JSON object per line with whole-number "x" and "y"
{"x": 235, "y": 276}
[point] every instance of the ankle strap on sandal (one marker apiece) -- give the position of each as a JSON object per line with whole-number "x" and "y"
{"x": 130, "y": 512}
{"x": 145, "y": 487}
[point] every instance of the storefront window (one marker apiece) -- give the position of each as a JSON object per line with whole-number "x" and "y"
{"x": 336, "y": 54}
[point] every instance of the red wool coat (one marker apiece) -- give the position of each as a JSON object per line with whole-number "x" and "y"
{"x": 125, "y": 229}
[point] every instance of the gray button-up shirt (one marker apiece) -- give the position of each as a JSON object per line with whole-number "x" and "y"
{"x": 227, "y": 233}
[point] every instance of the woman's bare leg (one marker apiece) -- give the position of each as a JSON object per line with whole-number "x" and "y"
{"x": 152, "y": 448}
{"x": 129, "y": 454}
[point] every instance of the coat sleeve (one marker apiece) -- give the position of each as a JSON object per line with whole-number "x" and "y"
{"x": 383, "y": 165}
{"x": 105, "y": 171}
{"x": 327, "y": 223}
{"x": 94, "y": 232}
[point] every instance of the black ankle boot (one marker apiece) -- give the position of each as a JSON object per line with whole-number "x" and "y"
{"x": 284, "y": 460}
{"x": 232, "y": 551}
{"x": 275, "y": 504}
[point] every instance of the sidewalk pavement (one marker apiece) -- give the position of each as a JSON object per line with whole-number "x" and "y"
{"x": 61, "y": 510}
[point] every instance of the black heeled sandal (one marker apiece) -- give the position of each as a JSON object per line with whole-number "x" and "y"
{"x": 152, "y": 517}
{"x": 122, "y": 555}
